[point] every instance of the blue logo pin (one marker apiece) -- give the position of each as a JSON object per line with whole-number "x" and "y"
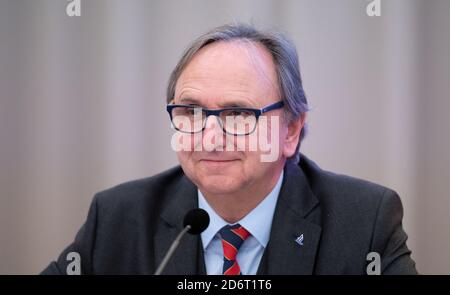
{"x": 299, "y": 240}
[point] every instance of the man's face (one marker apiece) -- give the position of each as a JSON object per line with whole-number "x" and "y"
{"x": 229, "y": 74}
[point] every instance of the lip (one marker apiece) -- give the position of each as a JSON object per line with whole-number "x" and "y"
{"x": 218, "y": 160}
{"x": 216, "y": 163}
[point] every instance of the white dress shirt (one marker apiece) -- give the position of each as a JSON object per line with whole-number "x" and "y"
{"x": 258, "y": 222}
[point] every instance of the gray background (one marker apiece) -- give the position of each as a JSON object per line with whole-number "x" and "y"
{"x": 82, "y": 106}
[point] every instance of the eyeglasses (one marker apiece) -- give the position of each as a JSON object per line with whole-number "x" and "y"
{"x": 232, "y": 120}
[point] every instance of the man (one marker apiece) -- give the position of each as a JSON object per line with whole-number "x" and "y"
{"x": 272, "y": 210}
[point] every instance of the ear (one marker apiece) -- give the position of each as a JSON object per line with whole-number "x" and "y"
{"x": 292, "y": 137}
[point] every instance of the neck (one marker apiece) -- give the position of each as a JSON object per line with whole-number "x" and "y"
{"x": 235, "y": 206}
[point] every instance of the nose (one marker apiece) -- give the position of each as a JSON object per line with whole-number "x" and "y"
{"x": 212, "y": 124}
{"x": 213, "y": 135}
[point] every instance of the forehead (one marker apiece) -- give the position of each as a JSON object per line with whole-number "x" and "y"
{"x": 232, "y": 70}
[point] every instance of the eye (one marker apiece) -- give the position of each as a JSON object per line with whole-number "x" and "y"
{"x": 236, "y": 113}
{"x": 242, "y": 113}
{"x": 190, "y": 111}
{"x": 185, "y": 111}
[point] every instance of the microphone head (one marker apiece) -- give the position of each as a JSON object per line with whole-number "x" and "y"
{"x": 198, "y": 219}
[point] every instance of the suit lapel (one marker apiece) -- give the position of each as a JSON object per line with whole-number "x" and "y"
{"x": 188, "y": 257}
{"x": 296, "y": 215}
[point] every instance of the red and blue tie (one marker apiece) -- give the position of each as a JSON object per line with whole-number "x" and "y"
{"x": 232, "y": 238}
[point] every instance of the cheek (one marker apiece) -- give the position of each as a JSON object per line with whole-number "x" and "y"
{"x": 271, "y": 133}
{"x": 183, "y": 142}
{"x": 184, "y": 158}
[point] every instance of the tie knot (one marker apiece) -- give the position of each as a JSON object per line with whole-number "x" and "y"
{"x": 232, "y": 238}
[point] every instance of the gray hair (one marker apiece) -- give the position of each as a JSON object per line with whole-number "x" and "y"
{"x": 285, "y": 58}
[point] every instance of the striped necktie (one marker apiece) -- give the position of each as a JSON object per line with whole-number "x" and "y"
{"x": 232, "y": 238}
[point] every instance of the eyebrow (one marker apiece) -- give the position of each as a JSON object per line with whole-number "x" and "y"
{"x": 189, "y": 100}
{"x": 193, "y": 101}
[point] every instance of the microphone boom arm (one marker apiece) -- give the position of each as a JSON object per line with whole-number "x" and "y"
{"x": 172, "y": 249}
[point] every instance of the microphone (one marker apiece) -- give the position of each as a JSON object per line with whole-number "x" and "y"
{"x": 195, "y": 222}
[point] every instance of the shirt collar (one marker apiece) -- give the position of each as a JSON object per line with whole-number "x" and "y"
{"x": 258, "y": 222}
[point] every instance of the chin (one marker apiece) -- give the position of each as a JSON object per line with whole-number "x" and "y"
{"x": 220, "y": 184}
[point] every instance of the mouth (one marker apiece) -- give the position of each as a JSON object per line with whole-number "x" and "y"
{"x": 219, "y": 160}
{"x": 217, "y": 163}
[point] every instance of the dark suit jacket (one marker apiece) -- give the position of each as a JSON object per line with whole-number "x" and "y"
{"x": 130, "y": 227}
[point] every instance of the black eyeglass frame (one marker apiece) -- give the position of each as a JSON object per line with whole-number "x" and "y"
{"x": 217, "y": 112}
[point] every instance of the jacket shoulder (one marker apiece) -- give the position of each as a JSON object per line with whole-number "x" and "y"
{"x": 136, "y": 192}
{"x": 359, "y": 217}
{"x": 342, "y": 190}
{"x": 354, "y": 205}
